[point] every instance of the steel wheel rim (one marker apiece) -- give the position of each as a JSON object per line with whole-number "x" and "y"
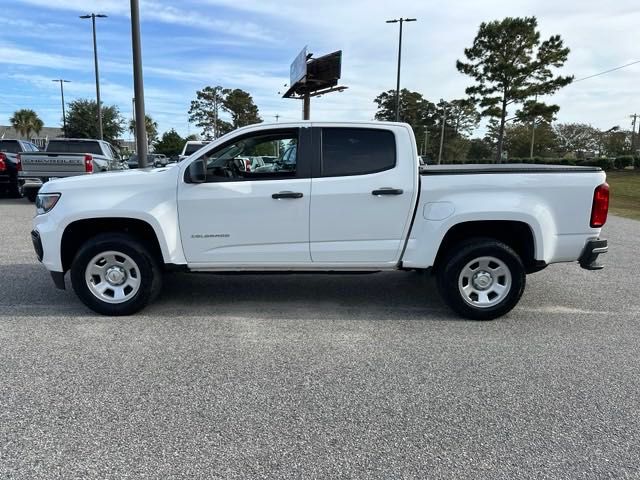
{"x": 113, "y": 277}
{"x": 484, "y": 282}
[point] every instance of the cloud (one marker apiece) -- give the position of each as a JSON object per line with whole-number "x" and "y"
{"x": 161, "y": 12}
{"x": 249, "y": 44}
{"x": 12, "y": 54}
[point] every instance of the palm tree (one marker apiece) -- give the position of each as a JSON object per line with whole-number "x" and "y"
{"x": 26, "y": 121}
{"x": 150, "y": 125}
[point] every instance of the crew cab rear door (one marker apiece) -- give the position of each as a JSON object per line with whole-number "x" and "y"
{"x": 246, "y": 217}
{"x": 364, "y": 189}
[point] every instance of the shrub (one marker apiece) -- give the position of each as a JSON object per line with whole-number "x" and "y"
{"x": 623, "y": 161}
{"x": 603, "y": 163}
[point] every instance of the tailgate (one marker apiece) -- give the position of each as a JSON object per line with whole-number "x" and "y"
{"x": 53, "y": 164}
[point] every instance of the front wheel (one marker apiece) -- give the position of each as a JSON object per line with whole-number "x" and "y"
{"x": 113, "y": 274}
{"x": 481, "y": 279}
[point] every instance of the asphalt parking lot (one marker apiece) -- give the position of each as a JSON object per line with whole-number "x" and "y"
{"x": 292, "y": 376}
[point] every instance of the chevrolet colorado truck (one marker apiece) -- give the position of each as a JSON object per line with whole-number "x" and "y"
{"x": 11, "y": 164}
{"x": 341, "y": 197}
{"x": 67, "y": 157}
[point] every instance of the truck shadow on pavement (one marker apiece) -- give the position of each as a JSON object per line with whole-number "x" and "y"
{"x": 29, "y": 291}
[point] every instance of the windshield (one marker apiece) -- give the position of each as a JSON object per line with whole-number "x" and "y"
{"x": 66, "y": 146}
{"x": 9, "y": 146}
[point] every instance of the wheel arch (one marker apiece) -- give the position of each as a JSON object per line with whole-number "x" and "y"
{"x": 516, "y": 234}
{"x": 78, "y": 232}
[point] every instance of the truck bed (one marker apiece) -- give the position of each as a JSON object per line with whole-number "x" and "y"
{"x": 469, "y": 169}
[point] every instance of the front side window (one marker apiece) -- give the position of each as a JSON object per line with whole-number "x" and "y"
{"x": 357, "y": 151}
{"x": 241, "y": 159}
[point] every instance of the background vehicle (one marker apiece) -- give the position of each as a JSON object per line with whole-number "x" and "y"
{"x": 67, "y": 157}
{"x": 343, "y": 197}
{"x": 252, "y": 163}
{"x": 153, "y": 160}
{"x": 11, "y": 165}
{"x": 191, "y": 147}
{"x": 160, "y": 160}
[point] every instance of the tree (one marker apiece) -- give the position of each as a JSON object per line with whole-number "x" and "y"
{"x": 479, "y": 149}
{"x": 462, "y": 116}
{"x": 170, "y": 144}
{"x": 577, "y": 139}
{"x": 150, "y": 126}
{"x": 456, "y": 149}
{"x": 517, "y": 140}
{"x": 205, "y": 112}
{"x": 239, "y": 104}
{"x": 26, "y": 121}
{"x": 414, "y": 110}
{"x": 82, "y": 120}
{"x": 616, "y": 142}
{"x": 460, "y": 119}
{"x": 511, "y": 66}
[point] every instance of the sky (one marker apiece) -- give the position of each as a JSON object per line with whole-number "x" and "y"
{"x": 250, "y": 44}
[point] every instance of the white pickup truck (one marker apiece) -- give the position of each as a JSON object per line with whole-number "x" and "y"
{"x": 67, "y": 157}
{"x": 339, "y": 197}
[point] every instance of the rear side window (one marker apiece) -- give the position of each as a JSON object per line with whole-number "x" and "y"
{"x": 192, "y": 148}
{"x": 357, "y": 151}
{"x": 56, "y": 146}
{"x": 9, "y": 146}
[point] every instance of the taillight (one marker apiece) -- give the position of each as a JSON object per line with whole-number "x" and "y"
{"x": 88, "y": 163}
{"x": 19, "y": 162}
{"x": 600, "y": 206}
{"x": 247, "y": 165}
{"x": 3, "y": 165}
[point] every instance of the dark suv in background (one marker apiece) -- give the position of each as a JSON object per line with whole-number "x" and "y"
{"x": 10, "y": 165}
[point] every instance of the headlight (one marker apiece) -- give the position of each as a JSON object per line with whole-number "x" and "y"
{"x": 46, "y": 201}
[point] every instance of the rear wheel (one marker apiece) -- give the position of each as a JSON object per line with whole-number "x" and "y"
{"x": 481, "y": 278}
{"x": 15, "y": 190}
{"x": 113, "y": 274}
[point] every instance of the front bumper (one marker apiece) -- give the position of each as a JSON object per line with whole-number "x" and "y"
{"x": 37, "y": 244}
{"x": 57, "y": 277}
{"x": 592, "y": 250}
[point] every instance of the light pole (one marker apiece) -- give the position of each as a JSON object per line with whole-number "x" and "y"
{"x": 444, "y": 120}
{"x": 64, "y": 118}
{"x": 93, "y": 17}
{"x": 138, "y": 86}
{"x": 401, "y": 20}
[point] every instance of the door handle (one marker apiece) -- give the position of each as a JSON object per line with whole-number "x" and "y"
{"x": 387, "y": 191}
{"x": 280, "y": 195}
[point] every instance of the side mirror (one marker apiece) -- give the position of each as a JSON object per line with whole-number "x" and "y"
{"x": 197, "y": 172}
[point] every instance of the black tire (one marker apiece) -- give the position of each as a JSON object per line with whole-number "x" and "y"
{"x": 15, "y": 190}
{"x": 150, "y": 273}
{"x": 450, "y": 271}
{"x": 31, "y": 194}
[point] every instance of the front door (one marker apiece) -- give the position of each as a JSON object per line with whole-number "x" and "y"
{"x": 253, "y": 209}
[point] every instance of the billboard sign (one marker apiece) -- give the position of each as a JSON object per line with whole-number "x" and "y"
{"x": 299, "y": 67}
